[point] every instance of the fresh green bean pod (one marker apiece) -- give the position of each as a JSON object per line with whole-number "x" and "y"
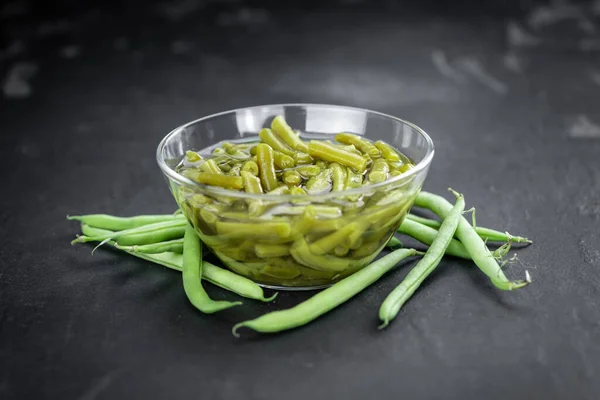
{"x": 360, "y": 143}
{"x": 283, "y": 130}
{"x": 394, "y": 243}
{"x": 268, "y": 137}
{"x": 474, "y": 245}
{"x": 172, "y": 246}
{"x": 327, "y": 299}
{"x": 328, "y": 152}
{"x": 192, "y": 272}
{"x": 490, "y": 235}
{"x": 149, "y": 229}
{"x": 150, "y": 238}
{"x": 113, "y": 223}
{"x": 266, "y": 167}
{"x": 394, "y": 301}
{"x": 211, "y": 273}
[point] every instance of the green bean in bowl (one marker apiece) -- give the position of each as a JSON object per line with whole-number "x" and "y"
{"x": 295, "y": 206}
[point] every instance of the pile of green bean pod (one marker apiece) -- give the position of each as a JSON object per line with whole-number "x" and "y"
{"x": 151, "y": 238}
{"x": 295, "y": 242}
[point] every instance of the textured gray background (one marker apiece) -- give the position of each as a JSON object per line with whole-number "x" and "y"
{"x": 508, "y": 93}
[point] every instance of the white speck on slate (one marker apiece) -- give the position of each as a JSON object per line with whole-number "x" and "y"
{"x": 476, "y": 70}
{"x": 583, "y": 128}
{"x": 244, "y": 17}
{"x": 177, "y": 10}
{"x": 53, "y": 27}
{"x": 70, "y": 51}
{"x": 16, "y": 84}
{"x": 15, "y": 48}
{"x": 441, "y": 64}
{"x": 589, "y": 44}
{"x": 587, "y": 26}
{"x": 546, "y": 15}
{"x": 181, "y": 47}
{"x": 513, "y": 63}
{"x": 595, "y": 77}
{"x": 518, "y": 37}
{"x": 121, "y": 44}
{"x": 14, "y": 9}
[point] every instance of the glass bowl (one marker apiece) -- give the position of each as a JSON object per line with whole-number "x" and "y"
{"x": 296, "y": 241}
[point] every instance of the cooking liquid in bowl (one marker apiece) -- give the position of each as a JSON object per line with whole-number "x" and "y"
{"x": 318, "y": 229}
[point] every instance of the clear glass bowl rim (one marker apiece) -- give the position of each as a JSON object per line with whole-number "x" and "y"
{"x": 180, "y": 179}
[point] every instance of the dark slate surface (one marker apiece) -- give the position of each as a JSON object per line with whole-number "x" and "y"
{"x": 509, "y": 95}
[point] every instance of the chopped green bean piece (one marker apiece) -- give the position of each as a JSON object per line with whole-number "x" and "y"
{"x": 387, "y": 151}
{"x": 283, "y": 161}
{"x": 268, "y": 137}
{"x": 249, "y": 230}
{"x": 283, "y": 130}
{"x": 211, "y": 166}
{"x": 251, "y": 167}
{"x": 308, "y": 171}
{"x": 379, "y": 171}
{"x": 322, "y": 164}
{"x": 360, "y": 143}
{"x": 320, "y": 183}
{"x": 235, "y": 170}
{"x": 218, "y": 151}
{"x": 297, "y": 191}
{"x": 224, "y": 181}
{"x": 292, "y": 177}
{"x": 271, "y": 250}
{"x": 328, "y": 152}
{"x": 251, "y": 182}
{"x": 281, "y": 190}
{"x": 329, "y": 242}
{"x": 192, "y": 156}
{"x": 266, "y": 167}
{"x": 302, "y": 158}
{"x": 338, "y": 177}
